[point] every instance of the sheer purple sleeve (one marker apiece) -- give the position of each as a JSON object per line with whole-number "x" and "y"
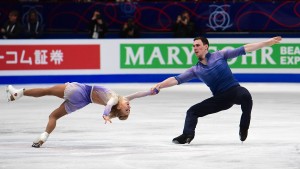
{"x": 112, "y": 101}
{"x": 138, "y": 95}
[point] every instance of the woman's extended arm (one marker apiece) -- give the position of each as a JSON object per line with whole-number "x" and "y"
{"x": 112, "y": 101}
{"x": 138, "y": 94}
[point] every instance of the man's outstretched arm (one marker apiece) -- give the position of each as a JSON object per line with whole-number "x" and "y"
{"x": 169, "y": 82}
{"x": 258, "y": 45}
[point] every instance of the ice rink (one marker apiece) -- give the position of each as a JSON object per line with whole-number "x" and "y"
{"x": 81, "y": 140}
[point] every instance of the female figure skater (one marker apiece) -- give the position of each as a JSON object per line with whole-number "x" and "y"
{"x": 77, "y": 96}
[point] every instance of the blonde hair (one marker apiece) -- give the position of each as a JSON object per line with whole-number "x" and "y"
{"x": 115, "y": 112}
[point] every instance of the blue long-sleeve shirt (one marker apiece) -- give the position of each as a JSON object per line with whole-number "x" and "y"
{"x": 216, "y": 74}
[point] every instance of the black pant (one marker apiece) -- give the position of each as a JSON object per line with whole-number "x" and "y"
{"x": 235, "y": 95}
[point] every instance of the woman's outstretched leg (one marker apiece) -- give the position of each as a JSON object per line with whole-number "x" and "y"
{"x": 57, "y": 90}
{"x": 14, "y": 94}
{"x": 53, "y": 117}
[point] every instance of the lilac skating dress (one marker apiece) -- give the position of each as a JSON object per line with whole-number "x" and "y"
{"x": 79, "y": 95}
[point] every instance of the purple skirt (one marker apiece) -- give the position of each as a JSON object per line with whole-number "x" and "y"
{"x": 77, "y": 96}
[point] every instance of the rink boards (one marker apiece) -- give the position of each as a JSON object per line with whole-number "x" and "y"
{"x": 137, "y": 60}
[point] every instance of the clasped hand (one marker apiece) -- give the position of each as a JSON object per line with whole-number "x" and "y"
{"x": 106, "y": 119}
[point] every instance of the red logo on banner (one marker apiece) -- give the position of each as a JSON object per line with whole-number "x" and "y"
{"x": 49, "y": 57}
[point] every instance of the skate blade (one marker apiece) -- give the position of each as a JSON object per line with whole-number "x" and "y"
{"x": 37, "y": 145}
{"x": 8, "y": 95}
{"x": 188, "y": 140}
{"x": 175, "y": 142}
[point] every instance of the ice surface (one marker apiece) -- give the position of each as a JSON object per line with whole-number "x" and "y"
{"x": 81, "y": 140}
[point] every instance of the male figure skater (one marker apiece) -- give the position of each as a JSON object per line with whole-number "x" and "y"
{"x": 214, "y": 71}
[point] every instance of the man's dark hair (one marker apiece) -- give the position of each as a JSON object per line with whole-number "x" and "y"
{"x": 203, "y": 39}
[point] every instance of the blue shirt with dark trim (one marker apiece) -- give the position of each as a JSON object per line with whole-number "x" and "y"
{"x": 216, "y": 74}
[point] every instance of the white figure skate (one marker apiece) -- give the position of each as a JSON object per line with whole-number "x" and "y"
{"x": 37, "y": 143}
{"x": 13, "y": 93}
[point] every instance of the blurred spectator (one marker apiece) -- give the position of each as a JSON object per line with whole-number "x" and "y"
{"x": 97, "y": 26}
{"x": 84, "y": 1}
{"x": 184, "y": 27}
{"x": 28, "y": 0}
{"x": 12, "y": 29}
{"x": 33, "y": 26}
{"x": 130, "y": 30}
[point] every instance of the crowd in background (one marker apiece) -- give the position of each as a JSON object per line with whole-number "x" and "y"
{"x": 33, "y": 28}
{"x": 14, "y": 29}
{"x": 88, "y": 1}
{"x": 30, "y": 25}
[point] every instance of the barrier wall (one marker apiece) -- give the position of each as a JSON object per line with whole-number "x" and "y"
{"x": 137, "y": 60}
